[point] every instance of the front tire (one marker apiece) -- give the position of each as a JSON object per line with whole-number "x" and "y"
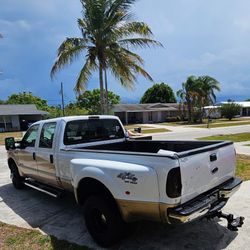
{"x": 17, "y": 180}
{"x": 103, "y": 221}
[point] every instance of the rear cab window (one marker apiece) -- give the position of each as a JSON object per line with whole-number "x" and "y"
{"x": 92, "y": 130}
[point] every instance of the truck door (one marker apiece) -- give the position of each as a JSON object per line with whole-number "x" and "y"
{"x": 45, "y": 154}
{"x": 26, "y": 154}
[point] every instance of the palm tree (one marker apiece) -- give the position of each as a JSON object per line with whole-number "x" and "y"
{"x": 209, "y": 85}
{"x": 188, "y": 94}
{"x": 196, "y": 93}
{"x": 107, "y": 32}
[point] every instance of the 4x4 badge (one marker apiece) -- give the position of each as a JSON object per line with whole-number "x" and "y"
{"x": 128, "y": 177}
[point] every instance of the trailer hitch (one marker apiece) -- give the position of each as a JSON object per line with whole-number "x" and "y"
{"x": 232, "y": 223}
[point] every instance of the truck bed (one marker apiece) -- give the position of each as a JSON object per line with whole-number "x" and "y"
{"x": 147, "y": 146}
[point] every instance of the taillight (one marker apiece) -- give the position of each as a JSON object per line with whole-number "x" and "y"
{"x": 173, "y": 186}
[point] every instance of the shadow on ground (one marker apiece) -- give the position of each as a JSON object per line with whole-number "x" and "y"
{"x": 63, "y": 219}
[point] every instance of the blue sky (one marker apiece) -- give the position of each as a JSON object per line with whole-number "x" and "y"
{"x": 200, "y": 37}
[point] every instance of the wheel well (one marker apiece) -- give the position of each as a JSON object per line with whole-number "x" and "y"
{"x": 90, "y": 186}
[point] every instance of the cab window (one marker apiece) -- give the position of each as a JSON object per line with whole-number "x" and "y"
{"x": 82, "y": 131}
{"x": 29, "y": 139}
{"x": 47, "y": 135}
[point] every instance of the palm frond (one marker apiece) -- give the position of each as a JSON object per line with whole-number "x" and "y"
{"x": 84, "y": 76}
{"x": 134, "y": 28}
{"x": 140, "y": 42}
{"x": 133, "y": 55}
{"x": 119, "y": 6}
{"x": 68, "y": 51}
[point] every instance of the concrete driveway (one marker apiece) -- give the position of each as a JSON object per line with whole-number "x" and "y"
{"x": 63, "y": 219}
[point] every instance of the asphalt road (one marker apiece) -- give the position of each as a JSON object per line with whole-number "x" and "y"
{"x": 63, "y": 218}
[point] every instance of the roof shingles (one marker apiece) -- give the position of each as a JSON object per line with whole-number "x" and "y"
{"x": 20, "y": 109}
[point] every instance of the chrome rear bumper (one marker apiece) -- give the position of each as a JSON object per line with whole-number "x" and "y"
{"x": 205, "y": 204}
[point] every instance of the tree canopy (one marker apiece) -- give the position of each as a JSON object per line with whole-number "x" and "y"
{"x": 90, "y": 101}
{"x": 108, "y": 34}
{"x": 230, "y": 110}
{"x": 161, "y": 93}
{"x": 28, "y": 98}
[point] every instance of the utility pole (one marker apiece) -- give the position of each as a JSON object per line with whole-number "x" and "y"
{"x": 61, "y": 92}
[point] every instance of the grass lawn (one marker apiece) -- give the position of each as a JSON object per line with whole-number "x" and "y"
{"x": 12, "y": 237}
{"x": 223, "y": 120}
{"x": 231, "y": 137}
{"x": 173, "y": 123}
{"x": 9, "y": 134}
{"x": 224, "y": 124}
{"x": 155, "y": 130}
{"x": 243, "y": 167}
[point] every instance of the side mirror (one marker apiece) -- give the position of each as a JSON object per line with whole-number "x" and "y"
{"x": 10, "y": 143}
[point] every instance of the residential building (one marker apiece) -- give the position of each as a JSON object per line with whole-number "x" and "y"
{"x": 214, "y": 111}
{"x": 18, "y": 117}
{"x": 146, "y": 113}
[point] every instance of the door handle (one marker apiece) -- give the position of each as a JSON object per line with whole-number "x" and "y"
{"x": 214, "y": 170}
{"x": 51, "y": 158}
{"x": 34, "y": 156}
{"x": 213, "y": 157}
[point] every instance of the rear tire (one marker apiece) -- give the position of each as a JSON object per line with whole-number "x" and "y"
{"x": 103, "y": 221}
{"x": 17, "y": 180}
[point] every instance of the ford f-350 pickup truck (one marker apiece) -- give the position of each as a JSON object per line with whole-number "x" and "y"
{"x": 119, "y": 180}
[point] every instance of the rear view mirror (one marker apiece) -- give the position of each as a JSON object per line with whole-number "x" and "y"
{"x": 9, "y": 143}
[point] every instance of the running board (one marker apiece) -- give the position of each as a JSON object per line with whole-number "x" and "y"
{"x": 54, "y": 192}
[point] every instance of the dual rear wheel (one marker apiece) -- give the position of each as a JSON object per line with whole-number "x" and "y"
{"x": 103, "y": 220}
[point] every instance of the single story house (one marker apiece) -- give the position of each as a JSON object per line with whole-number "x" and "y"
{"x": 214, "y": 111}
{"x": 146, "y": 113}
{"x": 15, "y": 117}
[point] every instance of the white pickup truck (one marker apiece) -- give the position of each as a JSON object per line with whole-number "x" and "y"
{"x": 120, "y": 180}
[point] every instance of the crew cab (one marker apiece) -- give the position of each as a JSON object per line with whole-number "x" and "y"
{"x": 119, "y": 180}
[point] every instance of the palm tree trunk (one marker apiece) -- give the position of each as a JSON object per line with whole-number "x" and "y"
{"x": 101, "y": 88}
{"x": 106, "y": 92}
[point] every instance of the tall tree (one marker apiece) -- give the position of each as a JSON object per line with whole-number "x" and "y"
{"x": 206, "y": 87}
{"x": 108, "y": 33}
{"x": 196, "y": 93}
{"x": 162, "y": 93}
{"x": 188, "y": 93}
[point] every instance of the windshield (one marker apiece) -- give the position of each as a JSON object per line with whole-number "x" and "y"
{"x": 82, "y": 131}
